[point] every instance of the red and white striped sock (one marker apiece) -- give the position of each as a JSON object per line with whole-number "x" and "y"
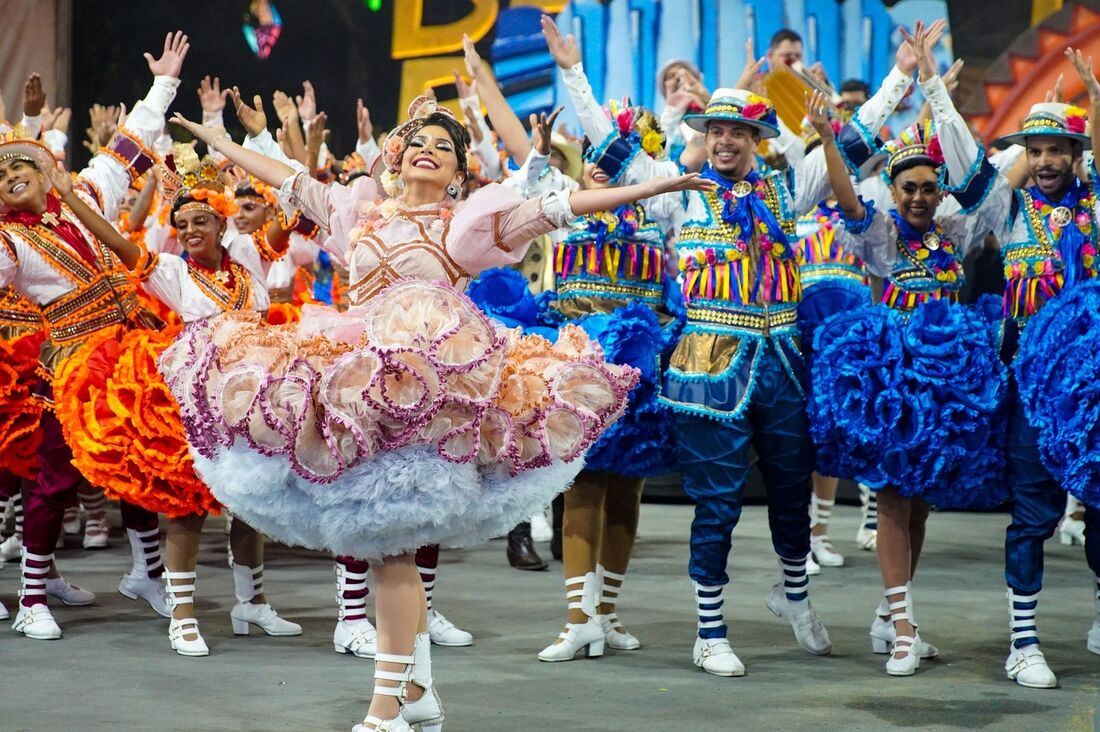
{"x": 351, "y": 589}
{"x": 427, "y": 560}
{"x": 36, "y": 567}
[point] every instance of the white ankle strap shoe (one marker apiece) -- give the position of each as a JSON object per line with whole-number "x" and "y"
{"x": 147, "y": 588}
{"x": 359, "y": 638}
{"x": 575, "y": 638}
{"x": 1027, "y": 666}
{"x": 36, "y": 622}
{"x": 715, "y": 656}
{"x": 616, "y": 636}
{"x": 444, "y": 633}
{"x": 263, "y": 616}
{"x": 808, "y": 629}
{"x": 4, "y": 614}
{"x": 69, "y": 594}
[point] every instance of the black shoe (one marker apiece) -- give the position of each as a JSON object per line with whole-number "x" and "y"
{"x": 521, "y": 550}
{"x": 557, "y": 510}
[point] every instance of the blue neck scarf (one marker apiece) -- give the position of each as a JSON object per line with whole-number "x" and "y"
{"x": 938, "y": 260}
{"x": 1072, "y": 238}
{"x": 742, "y": 212}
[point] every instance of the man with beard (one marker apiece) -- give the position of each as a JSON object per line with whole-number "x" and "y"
{"x": 1049, "y": 243}
{"x": 736, "y": 376}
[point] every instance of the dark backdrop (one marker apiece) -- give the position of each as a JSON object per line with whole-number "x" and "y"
{"x": 339, "y": 45}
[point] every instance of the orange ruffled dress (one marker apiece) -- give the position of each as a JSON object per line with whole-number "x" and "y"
{"x": 410, "y": 419}
{"x": 21, "y": 338}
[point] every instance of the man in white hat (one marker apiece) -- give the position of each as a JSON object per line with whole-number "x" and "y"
{"x": 736, "y": 376}
{"x": 1048, "y": 244}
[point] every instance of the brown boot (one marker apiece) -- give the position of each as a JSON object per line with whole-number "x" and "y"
{"x": 521, "y": 550}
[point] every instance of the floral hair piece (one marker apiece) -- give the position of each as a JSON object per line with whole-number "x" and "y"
{"x": 257, "y": 190}
{"x": 917, "y": 144}
{"x": 420, "y": 109}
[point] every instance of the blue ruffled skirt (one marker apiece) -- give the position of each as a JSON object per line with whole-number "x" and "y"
{"x": 913, "y": 402}
{"x": 1056, "y": 371}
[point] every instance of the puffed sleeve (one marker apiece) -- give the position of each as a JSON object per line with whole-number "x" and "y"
{"x": 110, "y": 173}
{"x": 873, "y": 239}
{"x": 334, "y": 207}
{"x": 494, "y": 227}
{"x": 162, "y": 276}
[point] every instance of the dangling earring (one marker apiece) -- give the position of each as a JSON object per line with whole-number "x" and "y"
{"x": 453, "y": 190}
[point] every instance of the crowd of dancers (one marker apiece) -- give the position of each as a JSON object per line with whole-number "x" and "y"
{"x": 345, "y": 353}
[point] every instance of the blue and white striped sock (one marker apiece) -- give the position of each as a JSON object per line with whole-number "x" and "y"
{"x": 1022, "y": 609}
{"x": 709, "y": 601}
{"x": 796, "y": 583}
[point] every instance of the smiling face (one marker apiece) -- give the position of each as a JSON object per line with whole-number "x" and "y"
{"x": 22, "y": 186}
{"x": 593, "y": 178}
{"x": 252, "y": 215}
{"x": 200, "y": 233}
{"x": 917, "y": 195}
{"x": 431, "y": 159}
{"x": 731, "y": 147}
{"x": 1050, "y": 161}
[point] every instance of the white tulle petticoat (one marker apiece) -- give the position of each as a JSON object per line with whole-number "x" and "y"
{"x": 409, "y": 421}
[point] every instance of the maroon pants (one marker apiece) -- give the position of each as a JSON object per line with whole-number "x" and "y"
{"x": 45, "y": 501}
{"x": 10, "y": 484}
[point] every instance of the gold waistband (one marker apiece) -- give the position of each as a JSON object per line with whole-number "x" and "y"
{"x": 108, "y": 300}
{"x": 608, "y": 288}
{"x": 755, "y": 321}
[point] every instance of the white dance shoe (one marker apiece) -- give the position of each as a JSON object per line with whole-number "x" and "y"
{"x": 36, "y": 622}
{"x": 69, "y": 594}
{"x": 616, "y": 636}
{"x": 1027, "y": 666}
{"x": 246, "y": 614}
{"x": 808, "y": 629}
{"x": 575, "y": 638}
{"x": 360, "y": 638}
{"x": 715, "y": 656}
{"x": 444, "y": 633}
{"x": 146, "y": 588}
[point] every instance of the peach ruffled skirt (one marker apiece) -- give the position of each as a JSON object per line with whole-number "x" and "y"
{"x": 409, "y": 421}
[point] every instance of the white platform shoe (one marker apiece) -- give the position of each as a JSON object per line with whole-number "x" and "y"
{"x": 616, "y": 636}
{"x": 582, "y": 593}
{"x": 247, "y": 584}
{"x": 426, "y": 713}
{"x": 905, "y": 650}
{"x": 181, "y": 591}
{"x": 883, "y": 634}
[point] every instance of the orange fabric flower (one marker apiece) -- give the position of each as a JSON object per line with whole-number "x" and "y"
{"x": 20, "y": 411}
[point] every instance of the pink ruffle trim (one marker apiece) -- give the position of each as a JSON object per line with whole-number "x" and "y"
{"x": 418, "y": 365}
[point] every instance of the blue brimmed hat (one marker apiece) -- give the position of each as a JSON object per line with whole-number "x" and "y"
{"x": 740, "y": 106}
{"x": 1051, "y": 119}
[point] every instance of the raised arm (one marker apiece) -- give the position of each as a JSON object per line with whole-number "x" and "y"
{"x": 507, "y": 125}
{"x": 269, "y": 170}
{"x": 568, "y": 57}
{"x": 608, "y": 199}
{"x": 129, "y": 152}
{"x": 839, "y": 180}
{"x": 101, "y": 228}
{"x": 1084, "y": 68}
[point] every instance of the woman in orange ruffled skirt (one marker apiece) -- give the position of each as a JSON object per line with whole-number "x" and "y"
{"x": 137, "y": 447}
{"x": 410, "y": 419}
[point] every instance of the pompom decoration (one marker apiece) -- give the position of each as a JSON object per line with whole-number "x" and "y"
{"x": 934, "y": 151}
{"x": 124, "y": 426}
{"x": 912, "y": 402}
{"x": 1055, "y": 369}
